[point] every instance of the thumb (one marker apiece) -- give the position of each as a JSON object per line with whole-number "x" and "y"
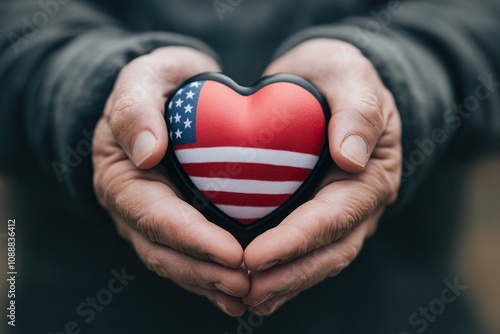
{"x": 139, "y": 129}
{"x": 137, "y": 124}
{"x": 355, "y": 94}
{"x": 135, "y": 112}
{"x": 354, "y": 130}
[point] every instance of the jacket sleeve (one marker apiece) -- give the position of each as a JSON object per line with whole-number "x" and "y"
{"x": 58, "y": 63}
{"x": 441, "y": 61}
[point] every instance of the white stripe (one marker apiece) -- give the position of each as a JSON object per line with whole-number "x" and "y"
{"x": 246, "y": 155}
{"x": 246, "y": 212}
{"x": 245, "y": 186}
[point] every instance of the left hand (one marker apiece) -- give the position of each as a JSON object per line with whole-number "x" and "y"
{"x": 168, "y": 234}
{"x": 324, "y": 235}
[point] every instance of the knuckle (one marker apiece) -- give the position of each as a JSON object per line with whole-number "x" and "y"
{"x": 141, "y": 215}
{"x": 98, "y": 180}
{"x": 128, "y": 204}
{"x": 347, "y": 255}
{"x": 123, "y": 111}
{"x": 301, "y": 241}
{"x": 138, "y": 63}
{"x": 146, "y": 225}
{"x": 388, "y": 97}
{"x": 157, "y": 65}
{"x": 351, "y": 215}
{"x": 122, "y": 230}
{"x": 310, "y": 272}
{"x": 299, "y": 278}
{"x": 152, "y": 262}
{"x": 329, "y": 222}
{"x": 99, "y": 188}
{"x": 393, "y": 188}
{"x": 354, "y": 52}
{"x": 337, "y": 223}
{"x": 124, "y": 117}
{"x": 124, "y": 103}
{"x": 105, "y": 187}
{"x": 387, "y": 184}
{"x": 363, "y": 63}
{"x": 191, "y": 276}
{"x": 350, "y": 252}
{"x": 370, "y": 109}
{"x": 123, "y": 108}
{"x": 135, "y": 216}
{"x": 170, "y": 69}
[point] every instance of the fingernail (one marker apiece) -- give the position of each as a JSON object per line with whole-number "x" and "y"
{"x": 271, "y": 307}
{"x": 268, "y": 265}
{"x": 268, "y": 297}
{"x": 143, "y": 147}
{"x": 221, "y": 306}
{"x": 215, "y": 259}
{"x": 355, "y": 149}
{"x": 223, "y": 288}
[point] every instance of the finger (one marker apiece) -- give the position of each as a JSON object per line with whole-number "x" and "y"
{"x": 136, "y": 108}
{"x": 166, "y": 219}
{"x": 184, "y": 269}
{"x": 358, "y": 121}
{"x": 334, "y": 212}
{"x": 143, "y": 200}
{"x": 359, "y": 102}
{"x": 230, "y": 305}
{"x": 283, "y": 282}
{"x": 272, "y": 305}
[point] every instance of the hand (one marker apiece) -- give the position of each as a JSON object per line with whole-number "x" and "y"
{"x": 171, "y": 237}
{"x": 324, "y": 235}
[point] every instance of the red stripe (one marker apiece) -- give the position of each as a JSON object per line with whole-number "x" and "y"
{"x": 227, "y": 198}
{"x": 247, "y": 171}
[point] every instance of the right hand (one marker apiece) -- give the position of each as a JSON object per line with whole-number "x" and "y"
{"x": 170, "y": 236}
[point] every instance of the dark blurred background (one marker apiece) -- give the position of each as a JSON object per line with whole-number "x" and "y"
{"x": 447, "y": 232}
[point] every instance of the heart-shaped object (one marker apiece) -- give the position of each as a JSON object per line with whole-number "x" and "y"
{"x": 246, "y": 156}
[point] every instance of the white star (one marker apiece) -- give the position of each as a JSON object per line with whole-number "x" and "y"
{"x": 170, "y": 105}
{"x": 195, "y": 84}
{"x": 187, "y": 124}
{"x": 170, "y": 119}
{"x": 171, "y": 134}
{"x": 179, "y": 103}
{"x": 190, "y": 94}
{"x": 179, "y": 91}
{"x": 188, "y": 108}
{"x": 178, "y": 133}
{"x": 177, "y": 118}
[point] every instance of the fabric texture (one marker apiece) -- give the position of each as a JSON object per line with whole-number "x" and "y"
{"x": 58, "y": 63}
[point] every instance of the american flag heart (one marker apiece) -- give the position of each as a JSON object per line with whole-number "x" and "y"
{"x": 247, "y": 150}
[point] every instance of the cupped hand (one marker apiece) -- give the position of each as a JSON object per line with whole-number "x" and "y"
{"x": 324, "y": 235}
{"x": 169, "y": 235}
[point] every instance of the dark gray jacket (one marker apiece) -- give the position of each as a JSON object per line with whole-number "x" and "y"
{"x": 59, "y": 60}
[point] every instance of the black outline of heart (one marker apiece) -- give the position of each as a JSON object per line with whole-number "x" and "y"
{"x": 245, "y": 233}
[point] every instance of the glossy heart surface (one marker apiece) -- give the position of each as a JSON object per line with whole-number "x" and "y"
{"x": 247, "y": 150}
